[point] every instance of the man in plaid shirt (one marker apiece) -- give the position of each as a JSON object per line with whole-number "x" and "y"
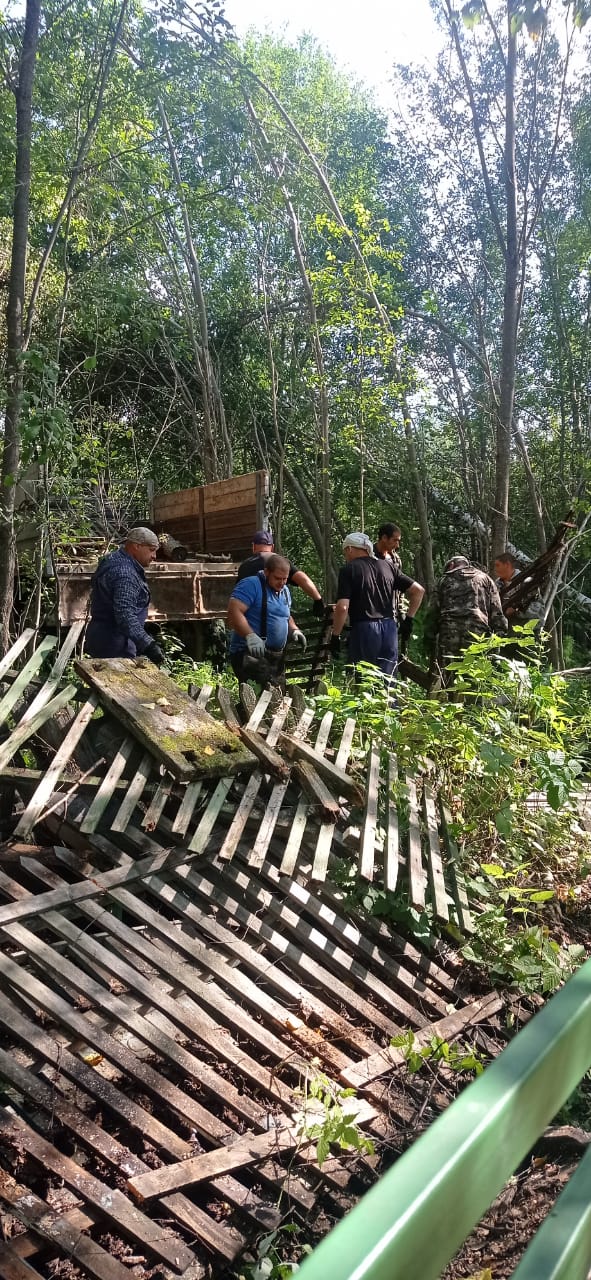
{"x": 119, "y": 602}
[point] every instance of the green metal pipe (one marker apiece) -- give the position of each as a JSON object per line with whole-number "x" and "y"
{"x": 416, "y": 1217}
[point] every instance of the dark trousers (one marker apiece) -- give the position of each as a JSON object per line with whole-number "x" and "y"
{"x": 268, "y": 671}
{"x": 375, "y": 642}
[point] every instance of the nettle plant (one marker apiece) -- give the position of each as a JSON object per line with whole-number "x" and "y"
{"x": 507, "y": 751}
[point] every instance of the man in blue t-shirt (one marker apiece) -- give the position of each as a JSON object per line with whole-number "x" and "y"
{"x": 259, "y": 615}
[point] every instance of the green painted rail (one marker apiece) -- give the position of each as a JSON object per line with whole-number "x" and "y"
{"x": 412, "y": 1223}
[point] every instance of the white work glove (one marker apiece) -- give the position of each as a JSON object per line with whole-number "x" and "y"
{"x": 298, "y": 637}
{"x": 255, "y": 645}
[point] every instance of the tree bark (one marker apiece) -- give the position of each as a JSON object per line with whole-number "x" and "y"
{"x": 15, "y": 310}
{"x": 500, "y": 513}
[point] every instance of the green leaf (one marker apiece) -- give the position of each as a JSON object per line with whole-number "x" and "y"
{"x": 89, "y": 363}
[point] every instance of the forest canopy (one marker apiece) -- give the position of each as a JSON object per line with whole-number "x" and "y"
{"x": 229, "y": 257}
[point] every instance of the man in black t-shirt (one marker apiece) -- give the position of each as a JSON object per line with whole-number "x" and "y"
{"x": 386, "y": 548}
{"x": 365, "y": 592}
{"x": 262, "y": 548}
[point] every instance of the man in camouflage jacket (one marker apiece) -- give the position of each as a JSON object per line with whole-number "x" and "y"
{"x": 467, "y": 604}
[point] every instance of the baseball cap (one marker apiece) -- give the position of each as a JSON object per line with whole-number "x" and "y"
{"x": 358, "y": 540}
{"x": 263, "y": 538}
{"x": 142, "y": 536}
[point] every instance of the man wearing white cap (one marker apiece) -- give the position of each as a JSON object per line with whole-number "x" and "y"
{"x": 119, "y": 601}
{"x": 366, "y": 591}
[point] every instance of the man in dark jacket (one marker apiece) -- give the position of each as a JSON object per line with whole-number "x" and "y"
{"x": 119, "y": 600}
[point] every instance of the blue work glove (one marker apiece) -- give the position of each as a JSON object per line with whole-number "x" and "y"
{"x": 255, "y": 645}
{"x": 298, "y": 637}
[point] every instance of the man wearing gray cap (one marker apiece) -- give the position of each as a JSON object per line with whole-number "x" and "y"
{"x": 366, "y": 590}
{"x": 119, "y": 600}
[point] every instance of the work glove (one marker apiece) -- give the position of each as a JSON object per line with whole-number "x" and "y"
{"x": 155, "y": 654}
{"x": 255, "y": 645}
{"x": 405, "y": 627}
{"x": 298, "y": 637}
{"x": 318, "y": 608}
{"x": 335, "y": 646}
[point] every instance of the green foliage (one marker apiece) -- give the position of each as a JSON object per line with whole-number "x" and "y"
{"x": 459, "y": 1059}
{"x": 325, "y": 1121}
{"x": 270, "y": 1262}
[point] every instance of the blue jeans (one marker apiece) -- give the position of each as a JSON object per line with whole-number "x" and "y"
{"x": 375, "y": 642}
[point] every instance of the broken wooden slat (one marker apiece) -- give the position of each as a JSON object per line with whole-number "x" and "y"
{"x": 203, "y": 696}
{"x": 326, "y": 833}
{"x": 44, "y": 790}
{"x": 24, "y": 677}
{"x": 101, "y": 883}
{"x": 200, "y": 839}
{"x": 183, "y": 817}
{"x": 168, "y": 723}
{"x": 458, "y": 884}
{"x": 13, "y": 1267}
{"x": 270, "y": 759}
{"x": 298, "y": 826}
{"x": 391, "y": 847}
{"x": 105, "y": 791}
{"x": 156, "y": 809}
{"x": 54, "y": 1227}
{"x": 445, "y": 1028}
{"x": 340, "y": 781}
{"x": 317, "y": 791}
{"x": 416, "y": 874}
{"x": 370, "y": 817}
{"x": 10, "y": 657}
{"x": 114, "y": 1205}
{"x": 435, "y": 866}
{"x": 134, "y": 793}
{"x": 246, "y": 1150}
{"x": 57, "y": 670}
{"x": 25, "y": 730}
{"x": 227, "y": 707}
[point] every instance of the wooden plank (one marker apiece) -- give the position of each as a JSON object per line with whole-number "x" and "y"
{"x": 322, "y": 800}
{"x": 337, "y": 779}
{"x": 101, "y": 883}
{"x": 183, "y": 817}
{"x": 56, "y": 1228}
{"x": 105, "y": 791}
{"x": 296, "y": 835}
{"x": 202, "y": 835}
{"x": 370, "y": 817}
{"x": 40, "y": 797}
{"x": 13, "y": 1267}
{"x": 25, "y": 730}
{"x": 362, "y": 1073}
{"x": 391, "y": 848}
{"x": 270, "y": 759}
{"x": 326, "y": 833}
{"x": 156, "y": 809}
{"x": 203, "y": 696}
{"x": 12, "y": 654}
{"x": 110, "y": 1202}
{"x": 57, "y": 670}
{"x": 435, "y": 866}
{"x": 187, "y": 1173}
{"x": 134, "y": 792}
{"x": 227, "y": 707}
{"x": 456, "y": 876}
{"x": 416, "y": 874}
{"x": 167, "y": 722}
{"x": 24, "y": 677}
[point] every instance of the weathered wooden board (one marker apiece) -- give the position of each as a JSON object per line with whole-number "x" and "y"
{"x": 165, "y": 719}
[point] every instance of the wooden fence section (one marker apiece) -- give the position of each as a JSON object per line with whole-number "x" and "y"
{"x": 218, "y": 517}
{"x": 309, "y": 821}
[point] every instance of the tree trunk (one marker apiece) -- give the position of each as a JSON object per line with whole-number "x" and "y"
{"x": 15, "y": 310}
{"x": 500, "y": 513}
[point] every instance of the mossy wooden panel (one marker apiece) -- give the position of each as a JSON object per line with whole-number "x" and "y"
{"x": 165, "y": 719}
